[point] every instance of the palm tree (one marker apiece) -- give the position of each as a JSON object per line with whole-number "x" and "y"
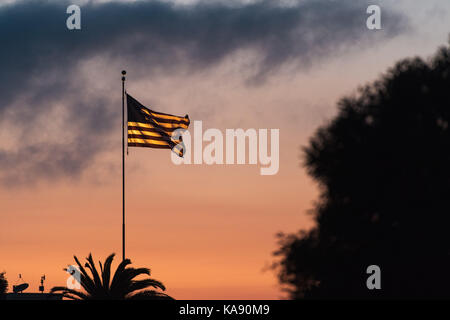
{"x": 122, "y": 285}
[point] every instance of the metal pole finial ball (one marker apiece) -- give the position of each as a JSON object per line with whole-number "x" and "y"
{"x": 123, "y": 78}
{"x": 124, "y": 72}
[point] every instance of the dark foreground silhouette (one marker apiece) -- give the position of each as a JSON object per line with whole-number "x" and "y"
{"x": 3, "y": 285}
{"x": 383, "y": 166}
{"x": 122, "y": 286}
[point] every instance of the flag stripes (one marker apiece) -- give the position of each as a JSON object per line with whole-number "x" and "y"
{"x": 143, "y": 132}
{"x": 151, "y": 129}
{"x": 166, "y": 118}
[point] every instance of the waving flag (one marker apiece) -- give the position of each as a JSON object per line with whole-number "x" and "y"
{"x": 151, "y": 129}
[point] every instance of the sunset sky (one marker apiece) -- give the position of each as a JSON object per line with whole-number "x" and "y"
{"x": 206, "y": 231}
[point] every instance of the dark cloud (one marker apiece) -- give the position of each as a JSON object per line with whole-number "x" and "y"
{"x": 39, "y": 59}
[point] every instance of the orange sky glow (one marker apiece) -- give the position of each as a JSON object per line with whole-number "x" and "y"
{"x": 206, "y": 231}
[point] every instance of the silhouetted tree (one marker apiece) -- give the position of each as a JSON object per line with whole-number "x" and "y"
{"x": 3, "y": 285}
{"x": 122, "y": 285}
{"x": 383, "y": 166}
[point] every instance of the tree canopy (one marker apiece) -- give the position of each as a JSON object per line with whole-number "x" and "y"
{"x": 383, "y": 167}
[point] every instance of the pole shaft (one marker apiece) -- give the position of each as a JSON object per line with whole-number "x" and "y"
{"x": 123, "y": 167}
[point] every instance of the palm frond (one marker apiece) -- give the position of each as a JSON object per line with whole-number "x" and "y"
{"x": 142, "y": 284}
{"x": 72, "y": 297}
{"x": 106, "y": 275}
{"x": 91, "y": 265}
{"x": 130, "y": 273}
{"x": 116, "y": 283}
{"x": 149, "y": 295}
{"x": 66, "y": 292}
{"x": 86, "y": 281}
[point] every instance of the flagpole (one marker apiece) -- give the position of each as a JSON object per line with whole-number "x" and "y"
{"x": 123, "y": 164}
